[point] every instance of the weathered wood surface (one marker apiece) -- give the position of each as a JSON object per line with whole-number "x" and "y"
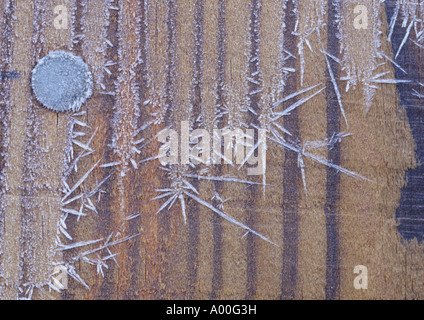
{"x": 178, "y": 60}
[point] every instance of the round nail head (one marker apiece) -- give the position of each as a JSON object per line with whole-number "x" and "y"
{"x": 61, "y": 81}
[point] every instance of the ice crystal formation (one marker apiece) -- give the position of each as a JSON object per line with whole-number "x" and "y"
{"x": 61, "y": 81}
{"x": 237, "y": 108}
{"x": 79, "y": 200}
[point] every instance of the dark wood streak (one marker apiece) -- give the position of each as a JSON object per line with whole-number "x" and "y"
{"x": 164, "y": 216}
{"x": 333, "y": 176}
{"x": 410, "y": 213}
{"x": 193, "y": 210}
{"x": 71, "y": 222}
{"x": 171, "y": 63}
{"x": 78, "y": 14}
{"x": 291, "y": 175}
{"x": 102, "y": 119}
{"x": 253, "y": 119}
{"x": 137, "y": 178}
{"x": 106, "y": 224}
{"x": 216, "y": 220}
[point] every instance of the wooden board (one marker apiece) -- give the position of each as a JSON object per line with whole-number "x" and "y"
{"x": 343, "y": 183}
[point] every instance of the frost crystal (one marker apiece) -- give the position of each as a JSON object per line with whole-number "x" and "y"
{"x": 365, "y": 44}
{"x": 61, "y": 81}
